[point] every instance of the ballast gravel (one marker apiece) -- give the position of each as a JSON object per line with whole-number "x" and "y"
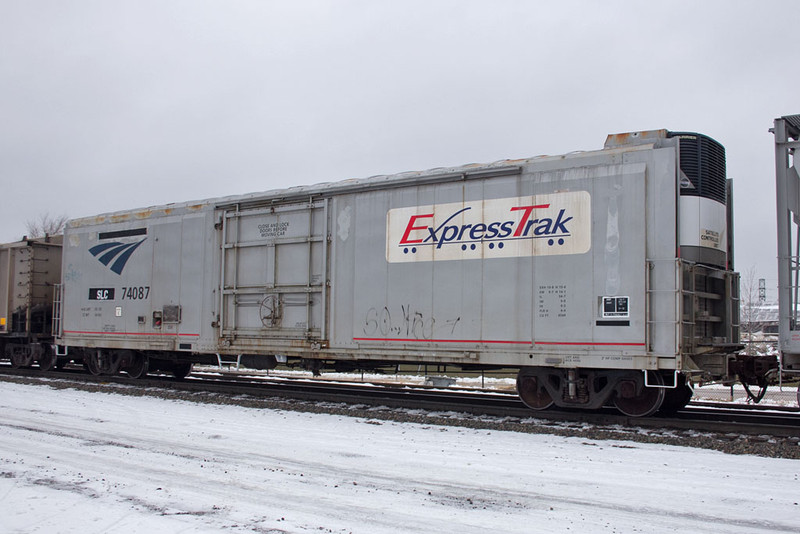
{"x": 730, "y": 443}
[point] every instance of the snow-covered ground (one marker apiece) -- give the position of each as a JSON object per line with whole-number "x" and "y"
{"x": 73, "y": 461}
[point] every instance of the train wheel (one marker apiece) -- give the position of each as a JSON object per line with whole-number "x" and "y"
{"x": 47, "y": 359}
{"x": 532, "y": 392}
{"x": 139, "y": 366}
{"x": 181, "y": 370}
{"x": 21, "y": 359}
{"x": 677, "y": 398}
{"x": 102, "y": 361}
{"x": 633, "y": 399}
{"x": 90, "y": 362}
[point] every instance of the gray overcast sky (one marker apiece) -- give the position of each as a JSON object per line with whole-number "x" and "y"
{"x": 108, "y": 105}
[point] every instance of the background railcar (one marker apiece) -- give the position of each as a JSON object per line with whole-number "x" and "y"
{"x": 30, "y": 270}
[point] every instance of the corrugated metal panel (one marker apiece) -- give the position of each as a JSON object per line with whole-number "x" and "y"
{"x": 29, "y": 271}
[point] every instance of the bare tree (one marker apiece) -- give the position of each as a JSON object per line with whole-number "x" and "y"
{"x": 747, "y": 306}
{"x": 46, "y": 224}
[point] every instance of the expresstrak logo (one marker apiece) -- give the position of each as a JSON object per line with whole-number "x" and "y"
{"x": 115, "y": 254}
{"x": 538, "y": 225}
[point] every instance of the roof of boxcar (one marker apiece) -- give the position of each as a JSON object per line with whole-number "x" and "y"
{"x": 327, "y": 189}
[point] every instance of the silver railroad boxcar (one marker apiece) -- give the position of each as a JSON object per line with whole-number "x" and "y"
{"x": 29, "y": 272}
{"x": 604, "y": 276}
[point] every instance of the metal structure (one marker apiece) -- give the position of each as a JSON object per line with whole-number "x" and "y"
{"x": 604, "y": 276}
{"x": 29, "y": 271}
{"x": 787, "y": 185}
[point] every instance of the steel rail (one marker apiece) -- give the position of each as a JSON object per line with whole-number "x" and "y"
{"x": 723, "y": 419}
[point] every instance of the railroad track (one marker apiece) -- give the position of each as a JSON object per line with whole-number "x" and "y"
{"x": 702, "y": 417}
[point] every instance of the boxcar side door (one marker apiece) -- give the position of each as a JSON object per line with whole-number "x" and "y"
{"x": 273, "y": 275}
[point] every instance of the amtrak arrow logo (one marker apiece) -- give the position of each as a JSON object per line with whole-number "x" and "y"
{"x": 117, "y": 252}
